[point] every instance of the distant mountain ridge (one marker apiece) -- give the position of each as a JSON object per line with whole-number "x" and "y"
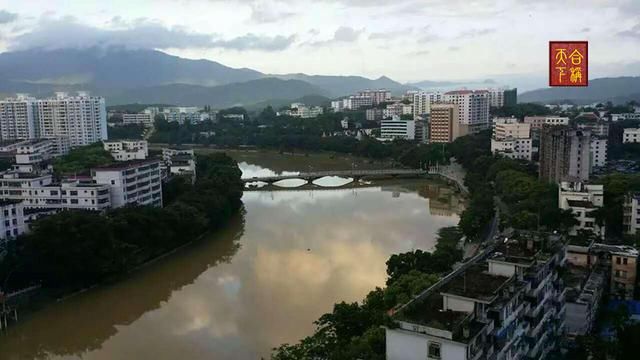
{"x": 240, "y": 94}
{"x": 154, "y": 76}
{"x": 344, "y": 85}
{"x": 618, "y": 90}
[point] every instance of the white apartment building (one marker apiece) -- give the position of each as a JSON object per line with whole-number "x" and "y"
{"x": 355, "y": 102}
{"x": 40, "y": 192}
{"x": 11, "y": 219}
{"x": 513, "y": 148}
{"x": 473, "y": 108}
{"x": 132, "y": 183}
{"x": 127, "y": 150}
{"x": 538, "y": 121}
{"x": 511, "y": 138}
{"x": 180, "y": 162}
{"x": 82, "y": 118}
{"x": 397, "y": 129}
{"x": 496, "y": 98}
{"x": 582, "y": 200}
{"x": 422, "y": 101}
{"x": 31, "y": 153}
{"x": 181, "y": 114}
{"x": 397, "y": 109}
{"x": 302, "y": 111}
{"x": 377, "y": 96}
{"x": 145, "y": 119}
{"x": 508, "y": 305}
{"x": 598, "y": 149}
{"x": 597, "y": 128}
{"x": 17, "y": 120}
{"x": 337, "y": 105}
{"x": 631, "y": 213}
{"x": 631, "y": 135}
{"x": 625, "y": 116}
{"x": 233, "y": 116}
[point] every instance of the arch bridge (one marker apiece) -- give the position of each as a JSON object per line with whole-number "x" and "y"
{"x": 354, "y": 174}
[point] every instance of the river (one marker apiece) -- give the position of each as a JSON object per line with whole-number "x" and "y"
{"x": 260, "y": 282}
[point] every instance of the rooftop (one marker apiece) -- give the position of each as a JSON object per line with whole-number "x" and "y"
{"x": 475, "y": 283}
{"x": 580, "y": 204}
{"x": 624, "y": 250}
{"x": 126, "y": 165}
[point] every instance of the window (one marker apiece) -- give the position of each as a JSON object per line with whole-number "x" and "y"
{"x": 6, "y": 213}
{"x": 618, "y": 261}
{"x": 624, "y": 261}
{"x": 434, "y": 350}
{"x": 74, "y": 201}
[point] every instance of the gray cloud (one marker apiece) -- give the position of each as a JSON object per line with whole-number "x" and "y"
{"x": 256, "y": 42}
{"x": 346, "y": 34}
{"x": 633, "y": 33}
{"x": 7, "y": 17}
{"x": 267, "y": 12}
{"x": 389, "y": 34}
{"x": 473, "y": 33}
{"x": 343, "y": 34}
{"x": 141, "y": 33}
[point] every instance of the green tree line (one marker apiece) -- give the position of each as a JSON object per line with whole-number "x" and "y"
{"x": 74, "y": 249}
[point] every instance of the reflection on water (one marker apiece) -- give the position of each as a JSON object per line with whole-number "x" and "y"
{"x": 242, "y": 291}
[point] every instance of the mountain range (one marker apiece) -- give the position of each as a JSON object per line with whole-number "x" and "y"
{"x": 618, "y": 90}
{"x": 125, "y": 76}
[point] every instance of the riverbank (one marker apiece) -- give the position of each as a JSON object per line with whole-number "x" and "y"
{"x": 258, "y": 282}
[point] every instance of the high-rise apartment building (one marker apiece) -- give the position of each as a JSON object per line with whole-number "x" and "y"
{"x": 443, "y": 123}
{"x": 16, "y": 118}
{"x": 473, "y": 108}
{"x": 505, "y": 304}
{"x": 422, "y": 102}
{"x": 82, "y": 119}
{"x": 377, "y": 96}
{"x": 564, "y": 154}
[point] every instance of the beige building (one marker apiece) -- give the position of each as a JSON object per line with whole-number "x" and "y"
{"x": 622, "y": 261}
{"x": 444, "y": 126}
{"x": 504, "y": 128}
{"x": 537, "y": 122}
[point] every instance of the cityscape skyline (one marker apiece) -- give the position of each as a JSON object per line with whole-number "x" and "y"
{"x": 457, "y": 40}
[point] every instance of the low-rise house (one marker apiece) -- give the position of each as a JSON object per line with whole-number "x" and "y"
{"x": 41, "y": 192}
{"x": 127, "y": 150}
{"x": 11, "y": 219}
{"x": 631, "y": 135}
{"x": 511, "y": 138}
{"x": 631, "y": 213}
{"x": 582, "y": 199}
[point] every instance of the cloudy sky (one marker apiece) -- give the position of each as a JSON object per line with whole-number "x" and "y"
{"x": 408, "y": 40}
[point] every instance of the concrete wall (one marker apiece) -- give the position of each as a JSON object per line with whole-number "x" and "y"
{"x": 457, "y": 304}
{"x": 404, "y": 345}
